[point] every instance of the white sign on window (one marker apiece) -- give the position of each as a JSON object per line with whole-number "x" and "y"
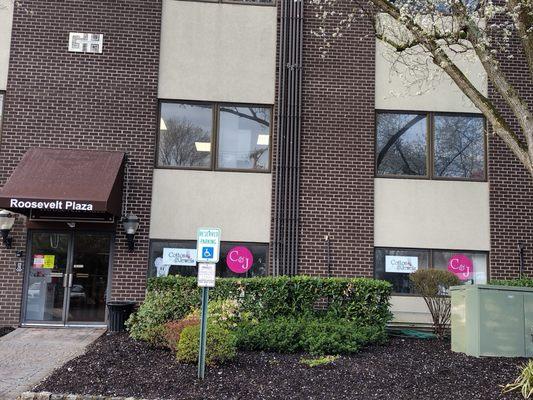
{"x": 179, "y": 257}
{"x": 401, "y": 264}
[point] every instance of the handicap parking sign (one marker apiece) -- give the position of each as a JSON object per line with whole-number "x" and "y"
{"x": 208, "y": 245}
{"x": 207, "y": 252}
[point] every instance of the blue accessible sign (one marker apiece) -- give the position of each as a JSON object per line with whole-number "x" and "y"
{"x": 208, "y": 245}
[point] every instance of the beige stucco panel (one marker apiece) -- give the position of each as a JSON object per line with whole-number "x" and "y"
{"x": 431, "y": 214}
{"x": 218, "y": 52}
{"x": 410, "y": 310}
{"x": 6, "y": 21}
{"x": 396, "y": 90}
{"x": 238, "y": 203}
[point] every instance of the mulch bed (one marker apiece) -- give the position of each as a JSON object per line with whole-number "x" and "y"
{"x": 116, "y": 365}
{"x": 4, "y": 330}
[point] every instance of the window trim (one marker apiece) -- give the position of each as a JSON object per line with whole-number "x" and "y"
{"x": 246, "y": 3}
{"x": 430, "y": 145}
{"x": 430, "y": 260}
{"x": 214, "y": 136}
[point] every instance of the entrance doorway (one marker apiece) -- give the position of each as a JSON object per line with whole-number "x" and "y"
{"x": 66, "y": 280}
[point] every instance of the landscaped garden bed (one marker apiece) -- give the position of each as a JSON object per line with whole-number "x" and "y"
{"x": 117, "y": 365}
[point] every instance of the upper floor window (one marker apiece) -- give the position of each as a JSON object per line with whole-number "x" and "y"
{"x": 214, "y": 136}
{"x": 430, "y": 145}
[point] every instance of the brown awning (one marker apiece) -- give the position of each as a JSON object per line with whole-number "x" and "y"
{"x": 65, "y": 181}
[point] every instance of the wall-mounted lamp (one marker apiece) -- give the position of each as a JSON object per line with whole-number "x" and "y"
{"x": 130, "y": 224}
{"x": 6, "y": 224}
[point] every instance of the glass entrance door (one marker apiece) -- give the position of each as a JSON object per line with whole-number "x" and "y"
{"x": 67, "y": 278}
{"x": 47, "y": 277}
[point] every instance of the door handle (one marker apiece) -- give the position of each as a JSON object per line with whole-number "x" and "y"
{"x": 65, "y": 280}
{"x": 70, "y": 279}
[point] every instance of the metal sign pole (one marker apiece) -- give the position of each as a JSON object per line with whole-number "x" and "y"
{"x": 203, "y": 334}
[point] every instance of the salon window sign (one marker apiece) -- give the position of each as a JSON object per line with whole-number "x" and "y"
{"x": 44, "y": 261}
{"x": 239, "y": 259}
{"x": 65, "y": 205}
{"x": 185, "y": 257}
{"x": 462, "y": 266}
{"x": 401, "y": 264}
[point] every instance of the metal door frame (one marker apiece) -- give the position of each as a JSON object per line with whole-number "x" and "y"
{"x": 68, "y": 275}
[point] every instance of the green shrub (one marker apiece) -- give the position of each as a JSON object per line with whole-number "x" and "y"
{"x": 317, "y": 362}
{"x": 159, "y": 307}
{"x": 220, "y": 347}
{"x": 328, "y": 336}
{"x": 281, "y": 335}
{"x": 313, "y": 335}
{"x": 524, "y": 282}
{"x": 433, "y": 285}
{"x": 362, "y": 300}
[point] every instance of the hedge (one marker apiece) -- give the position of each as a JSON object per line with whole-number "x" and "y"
{"x": 362, "y": 300}
{"x": 524, "y": 282}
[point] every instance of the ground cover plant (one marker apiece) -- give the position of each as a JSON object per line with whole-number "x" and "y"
{"x": 285, "y": 314}
{"x": 524, "y": 382}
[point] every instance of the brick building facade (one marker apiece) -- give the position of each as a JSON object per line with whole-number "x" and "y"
{"x": 280, "y": 152}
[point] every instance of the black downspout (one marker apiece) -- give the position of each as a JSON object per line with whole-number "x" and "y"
{"x": 521, "y": 252}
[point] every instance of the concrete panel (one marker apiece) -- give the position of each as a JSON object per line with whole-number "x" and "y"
{"x": 218, "y": 52}
{"x": 431, "y": 214}
{"x": 238, "y": 203}
{"x": 6, "y": 20}
{"x": 410, "y": 310}
{"x": 395, "y": 91}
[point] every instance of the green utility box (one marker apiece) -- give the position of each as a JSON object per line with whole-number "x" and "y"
{"x": 490, "y": 320}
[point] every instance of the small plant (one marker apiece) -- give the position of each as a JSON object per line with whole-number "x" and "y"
{"x": 221, "y": 345}
{"x": 316, "y": 362}
{"x": 524, "y": 382}
{"x": 433, "y": 285}
{"x": 172, "y": 331}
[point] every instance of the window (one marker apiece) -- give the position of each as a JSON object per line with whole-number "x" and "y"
{"x": 455, "y": 144}
{"x": 395, "y": 265}
{"x": 259, "y": 252}
{"x": 214, "y": 136}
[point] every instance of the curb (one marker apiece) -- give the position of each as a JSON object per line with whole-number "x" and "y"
{"x": 52, "y": 396}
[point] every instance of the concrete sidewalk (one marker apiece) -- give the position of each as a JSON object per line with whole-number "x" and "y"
{"x": 28, "y": 355}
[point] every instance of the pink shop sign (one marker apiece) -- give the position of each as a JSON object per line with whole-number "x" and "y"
{"x": 461, "y": 266}
{"x": 239, "y": 259}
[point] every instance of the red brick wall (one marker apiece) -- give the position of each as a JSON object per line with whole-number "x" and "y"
{"x": 84, "y": 101}
{"x": 511, "y": 189}
{"x": 337, "y": 151}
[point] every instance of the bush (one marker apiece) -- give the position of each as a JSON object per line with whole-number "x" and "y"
{"x": 221, "y": 345}
{"x": 317, "y": 362}
{"x": 171, "y": 298}
{"x": 172, "y": 331}
{"x": 524, "y": 282}
{"x": 314, "y": 335}
{"x": 433, "y": 285}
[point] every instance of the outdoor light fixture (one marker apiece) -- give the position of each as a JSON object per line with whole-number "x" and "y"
{"x": 6, "y": 224}
{"x": 130, "y": 224}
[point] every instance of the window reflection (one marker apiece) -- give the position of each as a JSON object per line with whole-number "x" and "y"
{"x": 244, "y": 137}
{"x": 185, "y": 132}
{"x": 459, "y": 147}
{"x": 401, "y": 144}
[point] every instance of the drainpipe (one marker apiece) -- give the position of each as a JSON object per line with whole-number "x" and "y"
{"x": 521, "y": 253}
{"x": 328, "y": 254}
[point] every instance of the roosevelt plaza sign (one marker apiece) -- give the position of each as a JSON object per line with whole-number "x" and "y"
{"x": 66, "y": 205}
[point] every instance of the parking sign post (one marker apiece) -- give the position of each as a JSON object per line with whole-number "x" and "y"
{"x": 208, "y": 251}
